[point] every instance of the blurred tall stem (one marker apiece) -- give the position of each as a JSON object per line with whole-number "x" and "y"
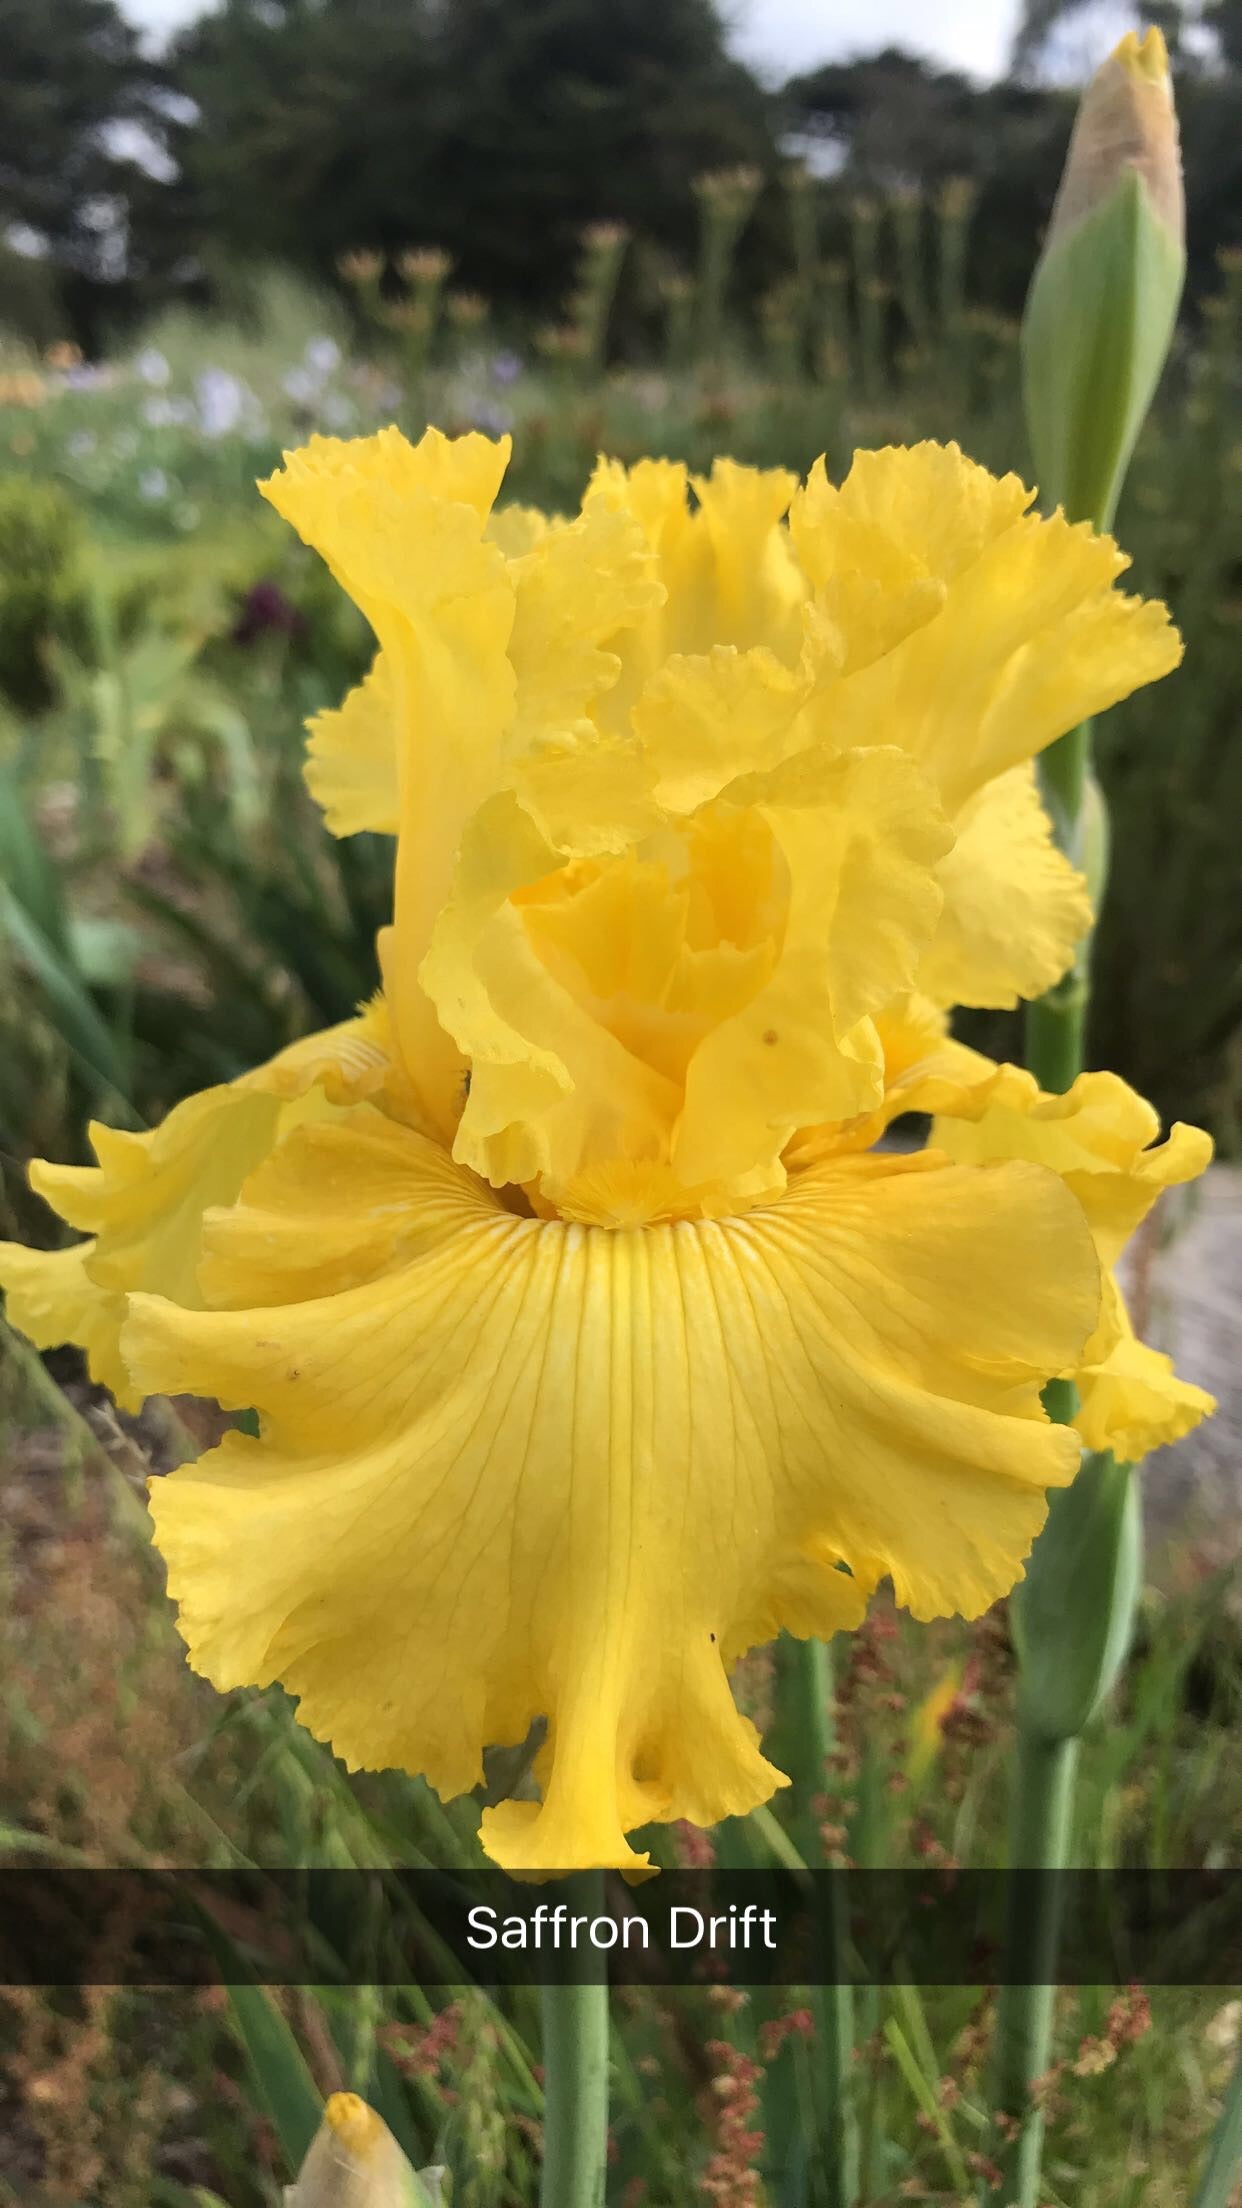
{"x": 1099, "y": 320}
{"x": 1039, "y": 1840}
{"x": 810, "y": 1709}
{"x": 575, "y": 2067}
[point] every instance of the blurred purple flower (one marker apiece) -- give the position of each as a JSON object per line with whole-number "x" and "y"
{"x": 266, "y": 611}
{"x": 495, "y": 420}
{"x": 506, "y": 367}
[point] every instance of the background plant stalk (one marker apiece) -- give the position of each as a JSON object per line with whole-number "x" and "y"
{"x": 1098, "y": 324}
{"x": 810, "y": 1702}
{"x": 575, "y": 2067}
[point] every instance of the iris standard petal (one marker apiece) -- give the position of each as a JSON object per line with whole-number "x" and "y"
{"x": 352, "y": 757}
{"x": 403, "y": 528}
{"x": 1030, "y": 639}
{"x": 1015, "y": 909}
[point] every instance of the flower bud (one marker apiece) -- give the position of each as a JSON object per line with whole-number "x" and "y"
{"x": 1127, "y": 124}
{"x": 354, "y": 2162}
{"x": 1103, "y": 303}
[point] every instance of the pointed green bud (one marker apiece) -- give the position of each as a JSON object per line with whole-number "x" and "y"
{"x": 1073, "y": 1614}
{"x": 354, "y": 2162}
{"x": 1103, "y": 304}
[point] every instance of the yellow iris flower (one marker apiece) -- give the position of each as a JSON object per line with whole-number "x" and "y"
{"x": 591, "y": 1339}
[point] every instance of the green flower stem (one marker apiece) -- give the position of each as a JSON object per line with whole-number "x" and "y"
{"x": 1055, "y": 1033}
{"x": 1044, "y": 1776}
{"x": 810, "y": 1711}
{"x": 1056, "y": 1022}
{"x": 575, "y": 2071}
{"x": 1043, "y": 1802}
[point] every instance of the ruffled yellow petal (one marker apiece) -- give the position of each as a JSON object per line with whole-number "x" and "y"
{"x": 704, "y": 721}
{"x": 318, "y": 480}
{"x": 727, "y": 568}
{"x": 859, "y": 838}
{"x": 516, "y": 528}
{"x": 513, "y": 1468}
{"x": 932, "y": 504}
{"x": 1100, "y": 1140}
{"x": 352, "y": 758}
{"x": 756, "y": 944}
{"x": 51, "y": 1298}
{"x": 759, "y": 589}
{"x": 143, "y": 1203}
{"x": 1030, "y": 637}
{"x": 882, "y": 550}
{"x": 550, "y": 1085}
{"x": 1132, "y": 1401}
{"x": 598, "y": 682}
{"x": 869, "y": 595}
{"x": 579, "y": 586}
{"x": 1014, "y": 907}
{"x": 403, "y": 529}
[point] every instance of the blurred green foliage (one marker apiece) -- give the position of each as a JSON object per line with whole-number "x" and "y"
{"x": 41, "y": 585}
{"x": 297, "y": 130}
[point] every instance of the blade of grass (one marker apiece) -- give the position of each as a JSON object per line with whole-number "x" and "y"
{"x": 278, "y": 2067}
{"x": 925, "y": 2096}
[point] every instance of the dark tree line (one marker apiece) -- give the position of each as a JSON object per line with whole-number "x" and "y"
{"x": 293, "y": 130}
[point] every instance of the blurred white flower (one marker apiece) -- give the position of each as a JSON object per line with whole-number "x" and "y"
{"x": 153, "y": 485}
{"x": 299, "y": 385}
{"x": 159, "y": 413}
{"x": 221, "y": 401}
{"x": 322, "y": 355}
{"x": 81, "y": 443}
{"x": 152, "y": 366}
{"x": 338, "y": 412}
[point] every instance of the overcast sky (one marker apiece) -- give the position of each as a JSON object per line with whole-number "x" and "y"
{"x": 779, "y": 36}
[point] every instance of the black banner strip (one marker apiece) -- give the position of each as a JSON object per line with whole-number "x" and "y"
{"x": 701, "y": 1927}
